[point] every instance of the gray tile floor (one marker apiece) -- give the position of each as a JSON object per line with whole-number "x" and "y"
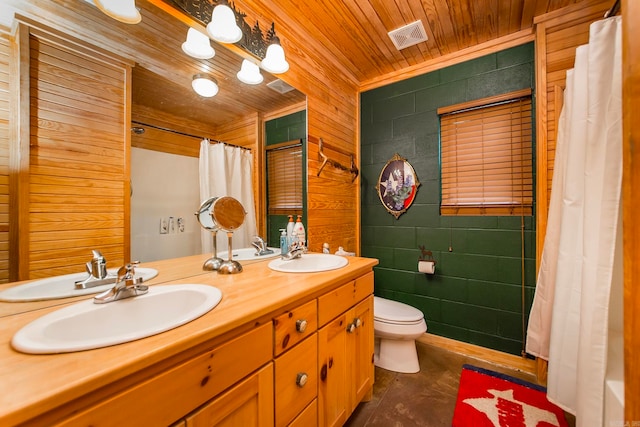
{"x": 427, "y": 398}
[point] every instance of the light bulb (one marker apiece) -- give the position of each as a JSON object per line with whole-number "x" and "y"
{"x": 274, "y": 61}
{"x": 204, "y": 85}
{"x": 250, "y": 73}
{"x": 223, "y": 27}
{"x": 120, "y": 10}
{"x": 198, "y": 45}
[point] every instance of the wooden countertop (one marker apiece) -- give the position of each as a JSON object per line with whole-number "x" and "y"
{"x": 34, "y": 384}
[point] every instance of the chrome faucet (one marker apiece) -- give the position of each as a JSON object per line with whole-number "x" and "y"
{"x": 126, "y": 286}
{"x": 261, "y": 246}
{"x": 97, "y": 269}
{"x": 296, "y": 249}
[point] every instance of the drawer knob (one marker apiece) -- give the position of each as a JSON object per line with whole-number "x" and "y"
{"x": 357, "y": 322}
{"x": 301, "y": 379}
{"x": 351, "y": 327}
{"x": 301, "y": 325}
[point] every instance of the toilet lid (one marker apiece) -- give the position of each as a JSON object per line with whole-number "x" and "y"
{"x": 395, "y": 311}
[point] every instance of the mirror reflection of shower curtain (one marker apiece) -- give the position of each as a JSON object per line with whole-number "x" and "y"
{"x": 227, "y": 171}
{"x": 581, "y": 259}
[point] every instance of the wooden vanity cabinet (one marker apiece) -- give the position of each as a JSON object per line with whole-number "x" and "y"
{"x": 166, "y": 397}
{"x": 336, "y": 360}
{"x": 248, "y": 404}
{"x": 296, "y": 364}
{"x": 310, "y": 366}
{"x": 345, "y": 350}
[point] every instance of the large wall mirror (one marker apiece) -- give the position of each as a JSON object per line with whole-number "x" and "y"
{"x": 168, "y": 120}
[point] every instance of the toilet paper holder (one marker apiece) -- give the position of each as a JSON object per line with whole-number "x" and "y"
{"x": 426, "y": 262}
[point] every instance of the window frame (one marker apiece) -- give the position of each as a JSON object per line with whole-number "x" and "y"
{"x": 289, "y": 179}
{"x": 459, "y": 179}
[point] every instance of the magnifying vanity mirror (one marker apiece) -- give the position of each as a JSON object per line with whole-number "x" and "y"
{"x": 228, "y": 214}
{"x": 159, "y": 100}
{"x": 205, "y": 218}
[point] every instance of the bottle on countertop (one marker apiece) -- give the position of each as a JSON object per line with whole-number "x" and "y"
{"x": 290, "y": 227}
{"x": 284, "y": 242}
{"x": 299, "y": 230}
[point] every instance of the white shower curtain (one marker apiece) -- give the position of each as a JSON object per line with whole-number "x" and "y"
{"x": 568, "y": 324}
{"x": 226, "y": 171}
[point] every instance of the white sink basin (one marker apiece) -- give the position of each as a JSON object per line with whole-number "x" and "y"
{"x": 248, "y": 254}
{"x": 85, "y": 325}
{"x": 309, "y": 263}
{"x": 63, "y": 286}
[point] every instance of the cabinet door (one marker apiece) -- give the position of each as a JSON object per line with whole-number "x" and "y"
{"x": 296, "y": 384}
{"x": 248, "y": 404}
{"x": 333, "y": 365}
{"x": 360, "y": 342}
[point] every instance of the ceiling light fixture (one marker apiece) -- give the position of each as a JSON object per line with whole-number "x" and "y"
{"x": 223, "y": 27}
{"x": 250, "y": 73}
{"x": 204, "y": 85}
{"x": 120, "y": 10}
{"x": 198, "y": 45}
{"x": 274, "y": 61}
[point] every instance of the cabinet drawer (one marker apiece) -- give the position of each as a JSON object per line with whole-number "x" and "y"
{"x": 293, "y": 326}
{"x": 308, "y": 417}
{"x": 184, "y": 387}
{"x": 296, "y": 380}
{"x": 343, "y": 298}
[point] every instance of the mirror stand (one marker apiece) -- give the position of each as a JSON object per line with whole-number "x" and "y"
{"x": 230, "y": 266}
{"x": 213, "y": 263}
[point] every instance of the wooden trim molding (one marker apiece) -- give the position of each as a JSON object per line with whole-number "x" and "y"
{"x": 542, "y": 193}
{"x": 19, "y": 154}
{"x": 492, "y": 356}
{"x": 630, "y": 220}
{"x": 484, "y": 101}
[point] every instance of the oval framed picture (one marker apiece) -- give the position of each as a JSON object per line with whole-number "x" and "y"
{"x": 397, "y": 185}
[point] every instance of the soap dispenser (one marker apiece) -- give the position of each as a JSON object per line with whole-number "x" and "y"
{"x": 284, "y": 242}
{"x": 299, "y": 230}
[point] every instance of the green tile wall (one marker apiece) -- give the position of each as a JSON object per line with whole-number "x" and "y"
{"x": 283, "y": 129}
{"x": 476, "y": 294}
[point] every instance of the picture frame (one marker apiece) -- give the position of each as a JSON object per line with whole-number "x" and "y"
{"x": 397, "y": 185}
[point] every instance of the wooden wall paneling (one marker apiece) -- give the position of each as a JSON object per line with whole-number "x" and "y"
{"x": 558, "y": 34}
{"x": 332, "y": 200}
{"x": 166, "y": 142}
{"x": 5, "y": 53}
{"x": 248, "y": 132}
{"x": 331, "y": 95}
{"x": 155, "y": 117}
{"x": 19, "y": 132}
{"x": 630, "y": 190}
{"x": 78, "y": 190}
{"x": 331, "y": 114}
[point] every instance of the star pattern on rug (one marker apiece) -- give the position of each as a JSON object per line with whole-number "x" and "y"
{"x": 503, "y": 405}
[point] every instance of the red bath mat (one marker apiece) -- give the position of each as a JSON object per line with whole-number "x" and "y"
{"x": 491, "y": 399}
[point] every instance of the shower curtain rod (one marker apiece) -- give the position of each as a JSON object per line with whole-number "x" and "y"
{"x": 188, "y": 134}
{"x": 614, "y": 9}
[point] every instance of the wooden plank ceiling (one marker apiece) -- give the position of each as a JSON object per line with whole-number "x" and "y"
{"x": 163, "y": 73}
{"x": 353, "y": 31}
{"x": 356, "y": 30}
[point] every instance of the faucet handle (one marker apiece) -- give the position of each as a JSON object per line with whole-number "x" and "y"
{"x": 126, "y": 272}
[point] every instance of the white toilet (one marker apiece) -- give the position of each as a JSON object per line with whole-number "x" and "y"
{"x": 396, "y": 327}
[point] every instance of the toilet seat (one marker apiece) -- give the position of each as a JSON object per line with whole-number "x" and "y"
{"x": 395, "y": 313}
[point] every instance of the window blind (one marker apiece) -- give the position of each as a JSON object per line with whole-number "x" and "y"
{"x": 487, "y": 159}
{"x": 284, "y": 180}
